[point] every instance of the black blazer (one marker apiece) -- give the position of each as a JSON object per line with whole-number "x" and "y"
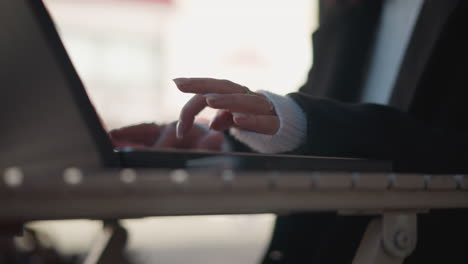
{"x": 425, "y": 129}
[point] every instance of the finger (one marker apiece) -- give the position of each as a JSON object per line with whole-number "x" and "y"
{"x": 168, "y": 138}
{"x": 212, "y": 141}
{"x": 222, "y": 121}
{"x": 241, "y": 103}
{"x": 188, "y": 113}
{"x": 264, "y": 124}
{"x": 141, "y": 134}
{"x": 208, "y": 85}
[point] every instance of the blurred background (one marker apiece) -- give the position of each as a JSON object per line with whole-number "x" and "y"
{"x": 128, "y": 51}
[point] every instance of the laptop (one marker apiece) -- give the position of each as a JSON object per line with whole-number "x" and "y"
{"x": 49, "y": 123}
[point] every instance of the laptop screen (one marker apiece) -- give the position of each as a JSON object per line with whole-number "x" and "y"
{"x": 47, "y": 119}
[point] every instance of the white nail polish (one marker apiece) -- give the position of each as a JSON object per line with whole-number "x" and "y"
{"x": 239, "y": 118}
{"x": 180, "y": 81}
{"x": 179, "y": 130}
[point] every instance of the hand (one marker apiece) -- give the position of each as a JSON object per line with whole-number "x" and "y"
{"x": 238, "y": 106}
{"x": 164, "y": 136}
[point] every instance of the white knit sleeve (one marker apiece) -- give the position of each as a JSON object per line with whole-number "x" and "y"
{"x": 291, "y": 133}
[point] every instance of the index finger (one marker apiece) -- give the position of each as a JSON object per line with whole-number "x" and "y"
{"x": 208, "y": 85}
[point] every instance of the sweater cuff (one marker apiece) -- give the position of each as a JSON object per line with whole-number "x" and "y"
{"x": 291, "y": 133}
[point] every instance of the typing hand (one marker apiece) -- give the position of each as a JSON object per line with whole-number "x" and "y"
{"x": 238, "y": 106}
{"x": 164, "y": 136}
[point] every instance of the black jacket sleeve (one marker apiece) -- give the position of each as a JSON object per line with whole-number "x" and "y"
{"x": 380, "y": 132}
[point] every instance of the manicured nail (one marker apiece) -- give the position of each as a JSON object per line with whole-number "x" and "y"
{"x": 181, "y": 81}
{"x": 213, "y": 96}
{"x": 180, "y": 129}
{"x": 212, "y": 99}
{"x": 239, "y": 117}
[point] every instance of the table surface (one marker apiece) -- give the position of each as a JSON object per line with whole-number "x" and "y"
{"x": 128, "y": 193}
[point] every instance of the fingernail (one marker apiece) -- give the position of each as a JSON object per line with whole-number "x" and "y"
{"x": 213, "y": 96}
{"x": 180, "y": 130}
{"x": 239, "y": 116}
{"x": 212, "y": 99}
{"x": 181, "y": 81}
